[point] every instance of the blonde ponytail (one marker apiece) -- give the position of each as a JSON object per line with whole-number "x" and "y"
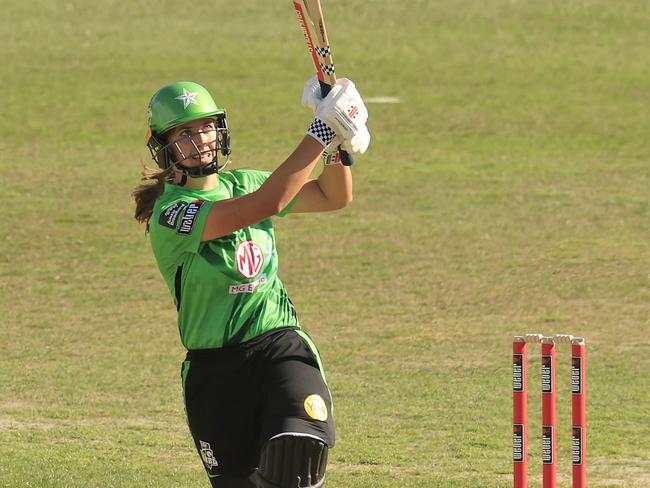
{"x": 145, "y": 194}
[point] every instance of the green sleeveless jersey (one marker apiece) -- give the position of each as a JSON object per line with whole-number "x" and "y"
{"x": 226, "y": 290}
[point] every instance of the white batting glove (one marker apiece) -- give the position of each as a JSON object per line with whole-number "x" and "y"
{"x": 357, "y": 145}
{"x": 343, "y": 109}
{"x": 359, "y": 142}
{"x": 311, "y": 94}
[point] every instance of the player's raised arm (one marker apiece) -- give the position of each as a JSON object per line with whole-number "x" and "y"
{"x": 334, "y": 122}
{"x": 332, "y": 190}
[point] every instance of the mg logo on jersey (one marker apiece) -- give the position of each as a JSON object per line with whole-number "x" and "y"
{"x": 352, "y": 111}
{"x": 250, "y": 259}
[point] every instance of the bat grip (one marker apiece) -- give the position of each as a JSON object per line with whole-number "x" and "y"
{"x": 346, "y": 158}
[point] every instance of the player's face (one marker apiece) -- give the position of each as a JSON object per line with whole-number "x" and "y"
{"x": 194, "y": 143}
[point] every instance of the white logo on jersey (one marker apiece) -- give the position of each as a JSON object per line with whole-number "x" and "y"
{"x": 250, "y": 259}
{"x": 247, "y": 287}
{"x": 187, "y": 221}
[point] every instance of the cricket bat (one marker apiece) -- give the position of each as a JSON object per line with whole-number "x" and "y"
{"x": 310, "y": 17}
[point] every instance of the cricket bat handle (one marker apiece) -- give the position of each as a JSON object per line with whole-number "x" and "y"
{"x": 346, "y": 158}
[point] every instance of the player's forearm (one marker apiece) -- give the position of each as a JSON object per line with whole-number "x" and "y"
{"x": 287, "y": 180}
{"x": 336, "y": 184}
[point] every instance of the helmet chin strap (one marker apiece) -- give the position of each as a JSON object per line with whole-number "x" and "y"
{"x": 199, "y": 171}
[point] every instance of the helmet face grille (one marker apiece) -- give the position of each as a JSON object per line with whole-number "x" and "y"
{"x": 177, "y": 104}
{"x": 167, "y": 153}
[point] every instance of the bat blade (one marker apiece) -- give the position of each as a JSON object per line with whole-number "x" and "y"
{"x": 308, "y": 28}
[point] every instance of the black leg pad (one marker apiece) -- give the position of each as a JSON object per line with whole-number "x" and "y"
{"x": 292, "y": 461}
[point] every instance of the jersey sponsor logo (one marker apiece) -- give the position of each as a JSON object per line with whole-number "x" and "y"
{"x": 250, "y": 259}
{"x": 169, "y": 217}
{"x": 247, "y": 287}
{"x": 207, "y": 455}
{"x": 187, "y": 221}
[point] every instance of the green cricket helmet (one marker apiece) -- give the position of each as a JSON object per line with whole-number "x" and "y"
{"x": 177, "y": 104}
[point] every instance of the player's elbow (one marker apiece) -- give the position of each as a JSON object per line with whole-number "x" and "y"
{"x": 342, "y": 202}
{"x": 348, "y": 200}
{"x": 269, "y": 203}
{"x": 281, "y": 203}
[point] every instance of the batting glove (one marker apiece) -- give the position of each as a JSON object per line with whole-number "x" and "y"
{"x": 343, "y": 110}
{"x": 357, "y": 145}
{"x": 311, "y": 94}
{"x": 359, "y": 142}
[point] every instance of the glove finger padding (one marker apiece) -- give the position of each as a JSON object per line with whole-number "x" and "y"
{"x": 359, "y": 142}
{"x": 311, "y": 94}
{"x": 343, "y": 109}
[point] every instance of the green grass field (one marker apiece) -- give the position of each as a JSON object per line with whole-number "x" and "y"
{"x": 507, "y": 193}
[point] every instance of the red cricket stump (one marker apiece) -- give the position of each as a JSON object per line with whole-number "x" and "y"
{"x": 520, "y": 412}
{"x": 549, "y": 415}
{"x": 579, "y": 413}
{"x": 549, "y": 409}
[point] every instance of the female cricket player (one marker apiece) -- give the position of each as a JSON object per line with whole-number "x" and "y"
{"x": 257, "y": 404}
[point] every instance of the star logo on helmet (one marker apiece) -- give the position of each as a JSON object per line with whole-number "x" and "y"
{"x": 187, "y": 97}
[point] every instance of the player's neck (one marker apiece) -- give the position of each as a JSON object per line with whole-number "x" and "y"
{"x": 209, "y": 182}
